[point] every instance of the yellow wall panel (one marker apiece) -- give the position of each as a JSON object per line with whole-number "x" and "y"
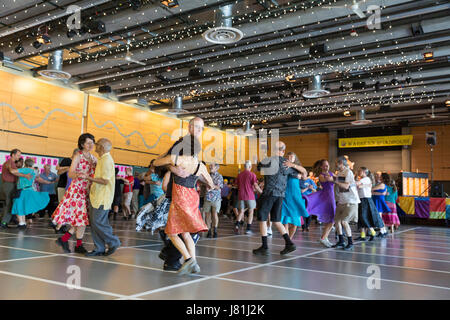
{"x": 6, "y": 81}
{"x": 26, "y": 143}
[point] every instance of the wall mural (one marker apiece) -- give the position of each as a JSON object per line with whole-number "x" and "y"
{"x": 44, "y": 119}
{"x": 126, "y": 136}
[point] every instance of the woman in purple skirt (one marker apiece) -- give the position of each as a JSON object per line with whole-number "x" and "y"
{"x": 322, "y": 203}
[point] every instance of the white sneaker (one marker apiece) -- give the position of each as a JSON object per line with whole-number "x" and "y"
{"x": 269, "y": 231}
{"x": 326, "y": 243}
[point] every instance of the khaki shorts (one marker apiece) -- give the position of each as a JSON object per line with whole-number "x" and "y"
{"x": 346, "y": 212}
{"x": 208, "y": 205}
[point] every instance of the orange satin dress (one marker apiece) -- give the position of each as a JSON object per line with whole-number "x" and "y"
{"x": 184, "y": 212}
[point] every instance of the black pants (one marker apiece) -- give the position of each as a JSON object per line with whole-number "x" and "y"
{"x": 51, "y": 207}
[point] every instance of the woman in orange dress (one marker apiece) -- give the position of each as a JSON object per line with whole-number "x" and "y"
{"x": 184, "y": 214}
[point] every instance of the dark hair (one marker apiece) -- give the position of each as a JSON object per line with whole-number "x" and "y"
{"x": 82, "y": 139}
{"x": 188, "y": 146}
{"x": 20, "y": 159}
{"x": 317, "y": 167}
{"x": 161, "y": 171}
{"x": 386, "y": 178}
{"x": 29, "y": 162}
{"x": 151, "y": 163}
{"x": 14, "y": 151}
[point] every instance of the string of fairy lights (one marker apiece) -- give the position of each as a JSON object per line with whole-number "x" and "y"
{"x": 268, "y": 69}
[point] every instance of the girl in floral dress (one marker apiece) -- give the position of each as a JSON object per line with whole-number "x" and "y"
{"x": 73, "y": 209}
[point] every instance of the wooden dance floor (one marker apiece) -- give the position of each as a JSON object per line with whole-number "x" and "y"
{"x": 413, "y": 264}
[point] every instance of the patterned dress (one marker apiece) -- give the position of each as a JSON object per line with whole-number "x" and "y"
{"x": 73, "y": 209}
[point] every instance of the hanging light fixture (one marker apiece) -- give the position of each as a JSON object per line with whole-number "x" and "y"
{"x": 54, "y": 68}
{"x": 223, "y": 33}
{"x": 315, "y": 89}
{"x": 361, "y": 119}
{"x": 177, "y": 106}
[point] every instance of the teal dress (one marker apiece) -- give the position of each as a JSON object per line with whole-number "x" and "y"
{"x": 30, "y": 201}
{"x": 293, "y": 204}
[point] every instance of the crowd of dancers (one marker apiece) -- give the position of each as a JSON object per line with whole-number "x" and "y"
{"x": 186, "y": 199}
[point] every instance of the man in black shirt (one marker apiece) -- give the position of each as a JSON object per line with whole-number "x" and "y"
{"x": 170, "y": 253}
{"x": 276, "y": 170}
{"x": 62, "y": 170}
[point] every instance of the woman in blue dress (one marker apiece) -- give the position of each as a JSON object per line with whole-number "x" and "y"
{"x": 29, "y": 201}
{"x": 379, "y": 192}
{"x": 293, "y": 204}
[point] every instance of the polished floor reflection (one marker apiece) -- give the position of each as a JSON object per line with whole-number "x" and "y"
{"x": 413, "y": 263}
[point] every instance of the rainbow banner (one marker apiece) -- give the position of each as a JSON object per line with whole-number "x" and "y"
{"x": 382, "y": 141}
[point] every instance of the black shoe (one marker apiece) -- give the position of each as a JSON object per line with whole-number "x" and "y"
{"x": 22, "y": 226}
{"x": 339, "y": 245}
{"x": 307, "y": 229}
{"x": 261, "y": 251}
{"x": 111, "y": 250}
{"x": 163, "y": 254}
{"x": 172, "y": 267}
{"x": 4, "y": 226}
{"x": 64, "y": 245}
{"x": 94, "y": 253}
{"x": 384, "y": 235}
{"x": 379, "y": 235}
{"x": 349, "y": 247}
{"x": 361, "y": 239}
{"x": 288, "y": 248}
{"x": 208, "y": 235}
{"x": 215, "y": 233}
{"x": 80, "y": 249}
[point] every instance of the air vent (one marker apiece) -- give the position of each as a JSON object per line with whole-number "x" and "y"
{"x": 54, "y": 67}
{"x": 361, "y": 119}
{"x": 315, "y": 88}
{"x": 223, "y": 33}
{"x": 177, "y": 106}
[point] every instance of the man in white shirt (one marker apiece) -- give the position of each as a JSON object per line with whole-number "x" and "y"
{"x": 347, "y": 203}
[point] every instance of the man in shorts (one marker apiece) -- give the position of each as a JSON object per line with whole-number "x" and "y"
{"x": 347, "y": 203}
{"x": 276, "y": 170}
{"x": 246, "y": 182}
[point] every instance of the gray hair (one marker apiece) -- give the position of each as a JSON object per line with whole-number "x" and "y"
{"x": 248, "y": 164}
{"x": 342, "y": 160}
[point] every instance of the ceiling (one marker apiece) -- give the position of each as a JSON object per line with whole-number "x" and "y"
{"x": 247, "y": 80}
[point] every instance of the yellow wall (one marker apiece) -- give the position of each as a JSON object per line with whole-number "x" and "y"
{"x": 42, "y": 118}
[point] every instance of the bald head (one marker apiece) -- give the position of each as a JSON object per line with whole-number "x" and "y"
{"x": 105, "y": 144}
{"x": 280, "y": 148}
{"x": 196, "y": 126}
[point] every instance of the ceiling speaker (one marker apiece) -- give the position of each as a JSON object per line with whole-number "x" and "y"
{"x": 317, "y": 49}
{"x": 104, "y": 89}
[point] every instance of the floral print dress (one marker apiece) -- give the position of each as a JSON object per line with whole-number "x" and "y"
{"x": 73, "y": 209}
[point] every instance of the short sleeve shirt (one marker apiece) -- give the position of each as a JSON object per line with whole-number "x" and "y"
{"x": 245, "y": 181}
{"x": 50, "y": 188}
{"x": 350, "y": 195}
{"x": 214, "y": 195}
{"x": 128, "y": 187}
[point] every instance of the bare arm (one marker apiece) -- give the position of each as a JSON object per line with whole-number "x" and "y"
{"x": 61, "y": 170}
{"x": 256, "y": 186}
{"x": 18, "y": 174}
{"x": 203, "y": 172}
{"x": 166, "y": 180}
{"x": 42, "y": 181}
{"x": 72, "y": 173}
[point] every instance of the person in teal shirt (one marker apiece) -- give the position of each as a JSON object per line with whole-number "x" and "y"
{"x": 29, "y": 201}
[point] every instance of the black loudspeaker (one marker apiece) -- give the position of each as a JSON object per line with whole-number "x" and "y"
{"x": 417, "y": 30}
{"x": 196, "y": 73}
{"x": 358, "y": 85}
{"x": 2, "y": 56}
{"x": 437, "y": 190}
{"x": 385, "y": 108}
{"x": 95, "y": 27}
{"x": 431, "y": 138}
{"x": 317, "y": 49}
{"x": 255, "y": 99}
{"x": 104, "y": 89}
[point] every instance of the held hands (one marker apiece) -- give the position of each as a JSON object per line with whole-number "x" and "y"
{"x": 288, "y": 164}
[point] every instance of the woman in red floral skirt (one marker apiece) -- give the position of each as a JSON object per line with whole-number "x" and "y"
{"x": 73, "y": 209}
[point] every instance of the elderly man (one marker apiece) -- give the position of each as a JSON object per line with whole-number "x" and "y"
{"x": 247, "y": 182}
{"x": 101, "y": 197}
{"x": 170, "y": 253}
{"x": 276, "y": 170}
{"x": 8, "y": 187}
{"x": 47, "y": 181}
